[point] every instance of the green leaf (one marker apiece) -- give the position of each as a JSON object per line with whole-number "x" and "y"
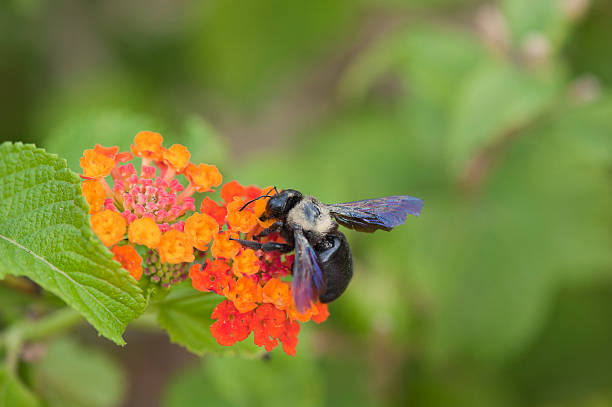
{"x": 185, "y": 315}
{"x": 13, "y": 393}
{"x": 71, "y": 375}
{"x": 278, "y": 382}
{"x": 45, "y": 235}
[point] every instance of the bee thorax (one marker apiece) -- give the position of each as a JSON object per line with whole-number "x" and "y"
{"x": 312, "y": 216}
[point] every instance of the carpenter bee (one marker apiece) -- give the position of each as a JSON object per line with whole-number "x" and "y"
{"x": 323, "y": 265}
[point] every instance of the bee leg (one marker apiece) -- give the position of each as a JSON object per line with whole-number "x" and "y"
{"x": 266, "y": 247}
{"x": 275, "y": 227}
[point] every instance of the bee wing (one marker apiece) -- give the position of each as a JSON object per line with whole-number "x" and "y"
{"x": 379, "y": 213}
{"x": 307, "y": 275}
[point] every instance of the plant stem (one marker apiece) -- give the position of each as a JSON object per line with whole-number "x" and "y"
{"x": 24, "y": 331}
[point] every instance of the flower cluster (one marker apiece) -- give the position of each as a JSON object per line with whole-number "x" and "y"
{"x": 149, "y": 211}
{"x": 258, "y": 297}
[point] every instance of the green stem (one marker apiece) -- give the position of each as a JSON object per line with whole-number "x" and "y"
{"x": 25, "y": 331}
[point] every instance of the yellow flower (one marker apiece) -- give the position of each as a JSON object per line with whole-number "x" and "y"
{"x": 144, "y": 231}
{"x": 95, "y": 164}
{"x": 203, "y": 177}
{"x": 245, "y": 263}
{"x": 93, "y": 191}
{"x": 147, "y": 144}
{"x": 175, "y": 247}
{"x": 109, "y": 226}
{"x": 201, "y": 228}
{"x": 176, "y": 157}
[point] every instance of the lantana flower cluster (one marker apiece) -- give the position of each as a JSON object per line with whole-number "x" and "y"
{"x": 149, "y": 211}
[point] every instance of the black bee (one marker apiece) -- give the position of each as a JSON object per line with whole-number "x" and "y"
{"x": 323, "y": 265}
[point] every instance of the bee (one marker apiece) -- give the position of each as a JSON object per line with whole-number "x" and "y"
{"x": 323, "y": 265}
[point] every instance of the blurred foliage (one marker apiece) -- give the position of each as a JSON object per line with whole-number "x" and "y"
{"x": 498, "y": 115}
{"x": 72, "y": 375}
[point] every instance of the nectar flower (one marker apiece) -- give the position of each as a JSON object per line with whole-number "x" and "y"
{"x": 322, "y": 313}
{"x": 259, "y": 207}
{"x": 95, "y": 164}
{"x": 245, "y": 293}
{"x": 109, "y": 226}
{"x": 215, "y": 276}
{"x": 144, "y": 231}
{"x": 93, "y": 191}
{"x": 110, "y": 152}
{"x": 224, "y": 248}
{"x": 211, "y": 208}
{"x": 176, "y": 157}
{"x": 245, "y": 263}
{"x": 277, "y": 293}
{"x": 147, "y": 144}
{"x": 289, "y": 337}
{"x": 203, "y": 177}
{"x": 158, "y": 213}
{"x": 232, "y": 326}
{"x": 175, "y": 247}
{"x": 268, "y": 323}
{"x": 201, "y": 228}
{"x": 240, "y": 221}
{"x": 231, "y": 190}
{"x": 129, "y": 259}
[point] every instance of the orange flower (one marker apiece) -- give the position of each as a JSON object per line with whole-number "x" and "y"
{"x": 109, "y": 226}
{"x": 144, "y": 231}
{"x": 129, "y": 259}
{"x": 277, "y": 292}
{"x": 240, "y": 221}
{"x": 93, "y": 191}
{"x": 211, "y": 208}
{"x": 245, "y": 263}
{"x": 203, "y": 177}
{"x": 259, "y": 207}
{"x": 147, "y": 144}
{"x": 110, "y": 152}
{"x": 201, "y": 228}
{"x": 176, "y": 157}
{"x": 231, "y": 190}
{"x": 322, "y": 313}
{"x": 95, "y": 164}
{"x": 215, "y": 276}
{"x": 304, "y": 316}
{"x": 245, "y": 293}
{"x": 224, "y": 248}
{"x": 175, "y": 247}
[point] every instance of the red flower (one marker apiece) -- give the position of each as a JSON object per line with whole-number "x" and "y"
{"x": 231, "y": 190}
{"x": 232, "y": 326}
{"x": 289, "y": 337}
{"x": 211, "y": 208}
{"x": 214, "y": 277}
{"x": 268, "y": 323}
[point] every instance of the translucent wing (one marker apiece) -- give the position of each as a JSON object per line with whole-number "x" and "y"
{"x": 373, "y": 214}
{"x": 307, "y": 276}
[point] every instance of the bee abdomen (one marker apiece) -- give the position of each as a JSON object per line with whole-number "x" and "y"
{"x": 336, "y": 263}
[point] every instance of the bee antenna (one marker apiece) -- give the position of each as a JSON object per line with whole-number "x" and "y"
{"x": 253, "y": 200}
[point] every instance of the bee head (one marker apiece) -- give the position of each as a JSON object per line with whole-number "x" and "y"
{"x": 280, "y": 204}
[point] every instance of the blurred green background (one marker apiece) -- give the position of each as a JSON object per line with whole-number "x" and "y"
{"x": 497, "y": 114}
